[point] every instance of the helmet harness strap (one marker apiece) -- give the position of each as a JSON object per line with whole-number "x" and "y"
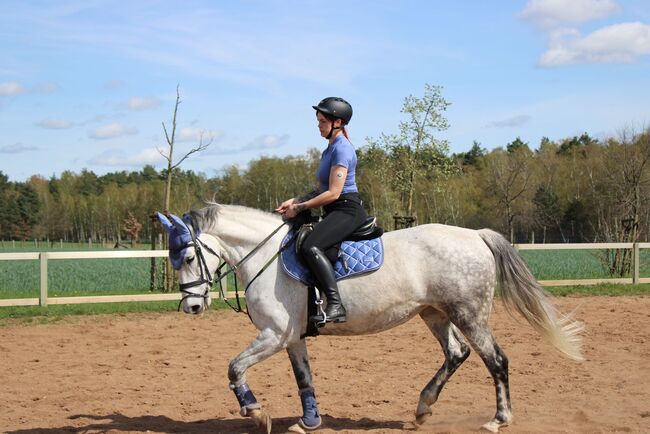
{"x": 332, "y": 128}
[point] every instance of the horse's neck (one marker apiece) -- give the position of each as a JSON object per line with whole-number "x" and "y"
{"x": 241, "y": 231}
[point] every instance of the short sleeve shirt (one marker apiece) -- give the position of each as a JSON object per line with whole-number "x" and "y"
{"x": 339, "y": 153}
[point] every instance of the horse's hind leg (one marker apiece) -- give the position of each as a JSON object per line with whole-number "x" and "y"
{"x": 456, "y": 351}
{"x": 477, "y": 332}
{"x": 310, "y": 419}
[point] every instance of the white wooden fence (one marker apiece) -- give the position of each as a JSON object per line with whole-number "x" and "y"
{"x": 44, "y": 257}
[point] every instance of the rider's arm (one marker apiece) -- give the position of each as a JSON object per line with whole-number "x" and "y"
{"x": 307, "y": 196}
{"x": 336, "y": 182}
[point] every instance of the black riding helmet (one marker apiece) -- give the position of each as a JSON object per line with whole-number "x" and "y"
{"x": 335, "y": 107}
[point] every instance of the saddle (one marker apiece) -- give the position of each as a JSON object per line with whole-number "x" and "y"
{"x": 367, "y": 231}
{"x": 349, "y": 258}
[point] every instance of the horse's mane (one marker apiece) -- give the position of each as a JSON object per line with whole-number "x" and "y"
{"x": 206, "y": 217}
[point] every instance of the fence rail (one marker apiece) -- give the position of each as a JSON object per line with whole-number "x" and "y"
{"x": 44, "y": 257}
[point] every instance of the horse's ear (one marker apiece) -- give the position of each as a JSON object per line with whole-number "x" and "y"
{"x": 179, "y": 224}
{"x": 169, "y": 227}
{"x": 187, "y": 219}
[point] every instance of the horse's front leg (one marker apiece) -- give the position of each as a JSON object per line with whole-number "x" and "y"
{"x": 264, "y": 346}
{"x": 310, "y": 419}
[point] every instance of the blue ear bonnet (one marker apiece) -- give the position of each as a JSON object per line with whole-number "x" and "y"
{"x": 180, "y": 237}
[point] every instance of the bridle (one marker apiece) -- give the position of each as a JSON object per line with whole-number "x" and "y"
{"x": 207, "y": 278}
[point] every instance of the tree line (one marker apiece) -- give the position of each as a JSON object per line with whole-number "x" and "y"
{"x": 577, "y": 189}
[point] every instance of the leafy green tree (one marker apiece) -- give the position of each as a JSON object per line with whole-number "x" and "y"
{"x": 515, "y": 145}
{"x": 576, "y": 143}
{"x": 415, "y": 152}
{"x": 471, "y": 157}
{"x": 548, "y": 210}
{"x": 4, "y": 205}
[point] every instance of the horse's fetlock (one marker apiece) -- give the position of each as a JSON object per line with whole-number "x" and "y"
{"x": 236, "y": 376}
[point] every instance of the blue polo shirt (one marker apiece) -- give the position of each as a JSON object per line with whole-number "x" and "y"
{"x": 339, "y": 153}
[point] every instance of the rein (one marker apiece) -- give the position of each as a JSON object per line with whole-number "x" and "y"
{"x": 232, "y": 269}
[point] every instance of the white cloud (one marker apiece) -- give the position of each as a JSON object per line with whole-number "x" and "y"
{"x": 46, "y": 88}
{"x": 514, "y": 121}
{"x": 55, "y": 124}
{"x": 119, "y": 158}
{"x": 550, "y": 13}
{"x": 11, "y": 88}
{"x": 111, "y": 131}
{"x": 268, "y": 141}
{"x": 114, "y": 84}
{"x": 138, "y": 104}
{"x": 188, "y": 134}
{"x": 618, "y": 43}
{"x": 17, "y": 148}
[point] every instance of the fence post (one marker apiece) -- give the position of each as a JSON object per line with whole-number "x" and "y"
{"x": 43, "y": 299}
{"x": 635, "y": 278}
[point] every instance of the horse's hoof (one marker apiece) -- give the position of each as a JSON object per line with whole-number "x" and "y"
{"x": 296, "y": 428}
{"x": 422, "y": 414}
{"x": 491, "y": 426}
{"x": 262, "y": 419}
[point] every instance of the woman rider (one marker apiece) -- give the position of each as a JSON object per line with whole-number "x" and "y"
{"x": 337, "y": 193}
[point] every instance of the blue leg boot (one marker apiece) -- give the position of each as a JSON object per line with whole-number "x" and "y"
{"x": 247, "y": 401}
{"x": 310, "y": 419}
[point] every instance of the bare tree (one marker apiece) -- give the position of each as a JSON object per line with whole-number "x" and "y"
{"x": 507, "y": 179}
{"x": 171, "y": 165}
{"x": 169, "y": 155}
{"x": 625, "y": 183}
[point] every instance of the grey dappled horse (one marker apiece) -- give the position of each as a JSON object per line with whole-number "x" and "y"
{"x": 445, "y": 274}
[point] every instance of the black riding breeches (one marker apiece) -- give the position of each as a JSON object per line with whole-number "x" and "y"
{"x": 341, "y": 219}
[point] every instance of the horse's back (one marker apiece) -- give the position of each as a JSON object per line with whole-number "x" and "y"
{"x": 439, "y": 243}
{"x": 426, "y": 266}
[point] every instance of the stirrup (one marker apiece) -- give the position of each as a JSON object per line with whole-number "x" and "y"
{"x": 321, "y": 317}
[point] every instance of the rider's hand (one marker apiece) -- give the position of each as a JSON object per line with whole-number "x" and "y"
{"x": 291, "y": 212}
{"x": 284, "y": 206}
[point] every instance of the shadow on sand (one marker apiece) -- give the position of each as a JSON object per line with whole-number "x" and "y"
{"x": 162, "y": 424}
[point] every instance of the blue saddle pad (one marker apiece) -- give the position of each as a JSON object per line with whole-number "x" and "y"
{"x": 355, "y": 257}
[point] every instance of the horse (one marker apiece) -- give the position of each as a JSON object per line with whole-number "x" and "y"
{"x": 445, "y": 274}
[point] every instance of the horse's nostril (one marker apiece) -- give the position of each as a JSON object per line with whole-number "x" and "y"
{"x": 196, "y": 308}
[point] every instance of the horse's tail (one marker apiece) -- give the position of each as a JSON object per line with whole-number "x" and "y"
{"x": 521, "y": 292}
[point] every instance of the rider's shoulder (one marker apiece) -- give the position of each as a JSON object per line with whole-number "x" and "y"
{"x": 342, "y": 142}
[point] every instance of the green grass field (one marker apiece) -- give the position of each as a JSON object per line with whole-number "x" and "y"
{"x": 20, "y": 279}
{"x": 573, "y": 264}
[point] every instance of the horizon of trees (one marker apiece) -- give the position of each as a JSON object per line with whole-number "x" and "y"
{"x": 577, "y": 189}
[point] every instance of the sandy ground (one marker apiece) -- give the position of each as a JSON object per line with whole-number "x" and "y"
{"x": 166, "y": 373}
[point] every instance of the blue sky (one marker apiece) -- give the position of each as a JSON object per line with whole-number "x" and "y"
{"x": 86, "y": 84}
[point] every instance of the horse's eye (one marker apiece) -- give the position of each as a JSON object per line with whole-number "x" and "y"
{"x": 189, "y": 260}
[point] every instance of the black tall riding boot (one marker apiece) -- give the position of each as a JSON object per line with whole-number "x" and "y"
{"x": 322, "y": 269}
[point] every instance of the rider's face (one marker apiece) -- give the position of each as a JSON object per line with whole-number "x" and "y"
{"x": 325, "y": 125}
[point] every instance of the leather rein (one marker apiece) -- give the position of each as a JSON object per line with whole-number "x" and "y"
{"x": 207, "y": 278}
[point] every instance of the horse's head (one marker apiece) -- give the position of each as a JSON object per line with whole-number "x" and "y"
{"x": 194, "y": 255}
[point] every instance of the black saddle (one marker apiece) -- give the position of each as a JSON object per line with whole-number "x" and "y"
{"x": 367, "y": 231}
